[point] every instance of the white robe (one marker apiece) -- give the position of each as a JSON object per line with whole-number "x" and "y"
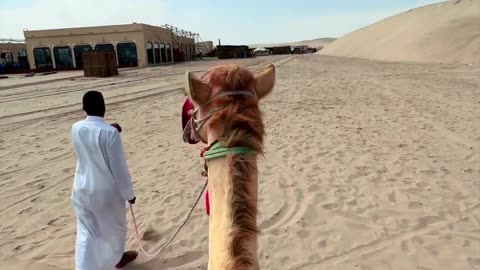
{"x": 101, "y": 188}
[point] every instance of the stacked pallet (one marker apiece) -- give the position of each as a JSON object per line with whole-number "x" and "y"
{"x": 100, "y": 64}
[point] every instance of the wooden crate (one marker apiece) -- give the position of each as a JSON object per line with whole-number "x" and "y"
{"x": 100, "y": 64}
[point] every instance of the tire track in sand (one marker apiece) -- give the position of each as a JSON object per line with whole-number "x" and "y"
{"x": 380, "y": 244}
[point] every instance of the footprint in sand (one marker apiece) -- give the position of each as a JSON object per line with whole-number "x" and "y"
{"x": 56, "y": 149}
{"x": 421, "y": 185}
{"x": 176, "y": 219}
{"x": 169, "y": 199}
{"x": 268, "y": 171}
{"x": 445, "y": 170}
{"x": 26, "y": 154}
{"x": 36, "y": 199}
{"x": 45, "y": 175}
{"x": 27, "y": 210}
{"x": 474, "y": 262}
{"x": 314, "y": 188}
{"x": 414, "y": 205}
{"x": 425, "y": 221}
{"x": 330, "y": 206}
{"x": 52, "y": 222}
{"x": 307, "y": 160}
{"x": 303, "y": 234}
{"x": 353, "y": 202}
{"x": 6, "y": 177}
{"x": 391, "y": 197}
{"x": 186, "y": 243}
{"x": 159, "y": 213}
{"x": 429, "y": 172}
{"x": 322, "y": 244}
{"x": 404, "y": 246}
{"x": 151, "y": 235}
{"x": 67, "y": 170}
{"x": 9, "y": 227}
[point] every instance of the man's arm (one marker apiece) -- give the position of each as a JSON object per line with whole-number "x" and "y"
{"x": 117, "y": 126}
{"x": 119, "y": 167}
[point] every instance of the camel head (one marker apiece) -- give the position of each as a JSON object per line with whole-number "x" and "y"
{"x": 226, "y": 103}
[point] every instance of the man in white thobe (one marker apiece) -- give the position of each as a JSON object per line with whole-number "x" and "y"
{"x": 101, "y": 188}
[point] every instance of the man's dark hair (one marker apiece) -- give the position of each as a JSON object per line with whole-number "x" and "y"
{"x": 93, "y": 103}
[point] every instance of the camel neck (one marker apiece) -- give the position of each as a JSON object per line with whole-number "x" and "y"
{"x": 233, "y": 235}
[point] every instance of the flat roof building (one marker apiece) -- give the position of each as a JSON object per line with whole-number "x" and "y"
{"x": 134, "y": 45}
{"x": 13, "y": 57}
{"x": 12, "y": 52}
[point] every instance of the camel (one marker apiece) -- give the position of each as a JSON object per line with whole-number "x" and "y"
{"x": 227, "y": 118}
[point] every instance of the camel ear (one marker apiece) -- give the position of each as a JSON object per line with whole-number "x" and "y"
{"x": 265, "y": 81}
{"x": 197, "y": 90}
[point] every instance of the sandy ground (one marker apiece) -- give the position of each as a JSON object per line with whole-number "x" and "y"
{"x": 17, "y": 80}
{"x": 368, "y": 165}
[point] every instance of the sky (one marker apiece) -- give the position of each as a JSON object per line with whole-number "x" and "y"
{"x": 234, "y": 22}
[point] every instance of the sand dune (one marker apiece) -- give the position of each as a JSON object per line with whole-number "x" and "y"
{"x": 368, "y": 165}
{"x": 447, "y": 32}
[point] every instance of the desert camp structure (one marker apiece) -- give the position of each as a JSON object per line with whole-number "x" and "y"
{"x": 135, "y": 45}
{"x": 261, "y": 52}
{"x": 232, "y": 51}
{"x": 204, "y": 48}
{"x": 280, "y": 50}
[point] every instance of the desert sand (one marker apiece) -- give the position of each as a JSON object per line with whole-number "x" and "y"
{"x": 368, "y": 165}
{"x": 447, "y": 32}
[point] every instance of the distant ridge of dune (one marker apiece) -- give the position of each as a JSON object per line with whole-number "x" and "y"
{"x": 314, "y": 43}
{"x": 447, "y": 32}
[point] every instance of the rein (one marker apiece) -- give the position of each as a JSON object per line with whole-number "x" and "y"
{"x": 216, "y": 150}
{"x": 197, "y": 124}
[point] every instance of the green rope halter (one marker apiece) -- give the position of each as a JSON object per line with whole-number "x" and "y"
{"x": 218, "y": 151}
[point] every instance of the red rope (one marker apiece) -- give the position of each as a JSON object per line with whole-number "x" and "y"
{"x": 205, "y": 174}
{"x": 137, "y": 235}
{"x": 204, "y": 150}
